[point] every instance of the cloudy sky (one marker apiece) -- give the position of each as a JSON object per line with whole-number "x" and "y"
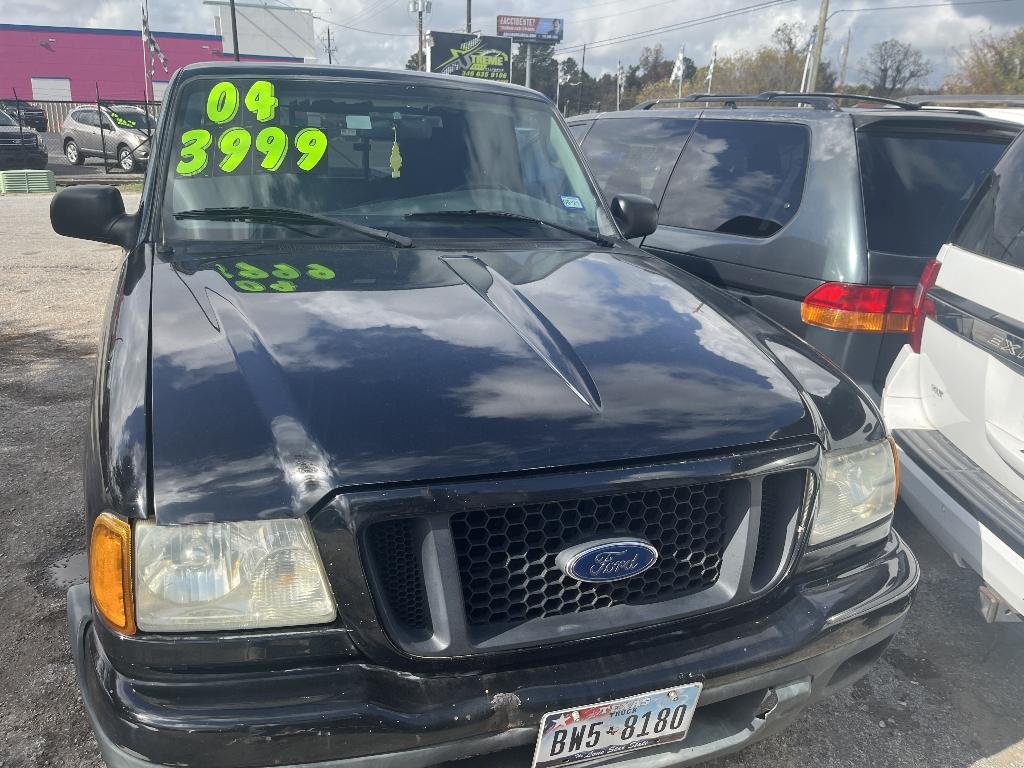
{"x": 936, "y": 29}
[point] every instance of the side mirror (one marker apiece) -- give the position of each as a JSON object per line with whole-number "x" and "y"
{"x": 637, "y": 216}
{"x": 93, "y": 212}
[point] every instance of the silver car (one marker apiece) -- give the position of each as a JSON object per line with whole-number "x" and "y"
{"x": 119, "y": 133}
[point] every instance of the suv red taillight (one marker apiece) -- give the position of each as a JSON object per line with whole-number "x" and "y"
{"x": 852, "y": 307}
{"x": 923, "y": 306}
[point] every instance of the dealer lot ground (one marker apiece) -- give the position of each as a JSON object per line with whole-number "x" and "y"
{"x": 947, "y": 692}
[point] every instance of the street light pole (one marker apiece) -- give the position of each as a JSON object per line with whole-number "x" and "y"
{"x": 469, "y": 17}
{"x": 583, "y": 74}
{"x": 819, "y": 42}
{"x": 846, "y": 55}
{"x": 529, "y": 63}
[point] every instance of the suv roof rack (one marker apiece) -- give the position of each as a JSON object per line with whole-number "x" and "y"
{"x": 730, "y": 100}
{"x": 826, "y": 101}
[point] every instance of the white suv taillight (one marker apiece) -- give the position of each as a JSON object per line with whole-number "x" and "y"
{"x": 923, "y": 306}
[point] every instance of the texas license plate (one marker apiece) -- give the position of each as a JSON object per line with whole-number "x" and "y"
{"x": 573, "y": 736}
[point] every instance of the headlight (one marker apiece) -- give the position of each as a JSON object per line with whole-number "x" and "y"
{"x": 858, "y": 488}
{"x": 245, "y": 575}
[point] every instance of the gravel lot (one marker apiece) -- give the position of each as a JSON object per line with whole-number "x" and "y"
{"x": 948, "y": 692}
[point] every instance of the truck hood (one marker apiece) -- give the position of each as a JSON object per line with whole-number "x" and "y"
{"x": 379, "y": 366}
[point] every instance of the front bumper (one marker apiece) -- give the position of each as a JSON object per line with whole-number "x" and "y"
{"x": 27, "y": 157}
{"x": 827, "y": 634}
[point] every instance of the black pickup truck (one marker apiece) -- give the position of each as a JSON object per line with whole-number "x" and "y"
{"x": 20, "y": 147}
{"x": 400, "y": 453}
{"x": 26, "y": 114}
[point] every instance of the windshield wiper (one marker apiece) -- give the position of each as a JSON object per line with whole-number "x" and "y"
{"x": 592, "y": 236}
{"x": 287, "y": 217}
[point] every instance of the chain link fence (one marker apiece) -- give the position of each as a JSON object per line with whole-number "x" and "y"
{"x": 89, "y": 138}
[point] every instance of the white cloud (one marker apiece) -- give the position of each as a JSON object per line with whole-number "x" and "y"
{"x": 937, "y": 31}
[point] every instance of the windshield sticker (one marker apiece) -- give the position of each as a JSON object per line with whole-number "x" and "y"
{"x": 279, "y": 278}
{"x": 235, "y": 145}
{"x": 194, "y": 144}
{"x": 572, "y": 203}
{"x": 396, "y": 156}
{"x": 124, "y": 122}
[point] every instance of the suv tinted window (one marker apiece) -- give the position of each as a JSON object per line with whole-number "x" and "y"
{"x": 993, "y": 225}
{"x": 635, "y": 155}
{"x": 743, "y": 178}
{"x": 916, "y": 185}
{"x": 86, "y": 117}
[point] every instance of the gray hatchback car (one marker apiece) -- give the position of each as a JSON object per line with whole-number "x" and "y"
{"x": 119, "y": 133}
{"x": 823, "y": 218}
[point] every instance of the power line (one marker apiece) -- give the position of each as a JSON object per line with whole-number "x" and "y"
{"x": 919, "y": 5}
{"x": 357, "y": 29}
{"x": 675, "y": 26}
{"x": 369, "y": 11}
{"x": 379, "y": 11}
{"x": 623, "y": 13}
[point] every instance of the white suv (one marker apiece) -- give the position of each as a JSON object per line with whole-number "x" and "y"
{"x": 955, "y": 395}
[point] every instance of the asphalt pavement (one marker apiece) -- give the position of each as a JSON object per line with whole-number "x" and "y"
{"x": 948, "y": 692}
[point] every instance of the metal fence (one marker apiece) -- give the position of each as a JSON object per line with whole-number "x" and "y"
{"x": 116, "y": 132}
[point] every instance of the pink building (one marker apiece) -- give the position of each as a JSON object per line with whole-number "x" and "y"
{"x": 67, "y": 63}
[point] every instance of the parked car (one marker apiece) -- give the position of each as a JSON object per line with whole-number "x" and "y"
{"x": 20, "y": 147}
{"x": 820, "y": 217}
{"x": 955, "y": 392}
{"x": 1001, "y": 106}
{"x": 400, "y": 452}
{"x": 25, "y": 113}
{"x": 119, "y": 133}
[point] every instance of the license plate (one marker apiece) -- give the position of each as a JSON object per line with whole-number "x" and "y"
{"x": 576, "y": 735}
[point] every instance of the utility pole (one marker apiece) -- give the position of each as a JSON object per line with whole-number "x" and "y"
{"x": 846, "y": 55}
{"x": 529, "y": 63}
{"x": 419, "y": 32}
{"x": 469, "y": 17}
{"x": 819, "y": 42}
{"x": 583, "y": 73}
{"x": 234, "y": 28}
{"x": 330, "y": 50}
{"x": 419, "y": 7}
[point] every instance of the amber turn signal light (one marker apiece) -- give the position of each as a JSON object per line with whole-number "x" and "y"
{"x": 849, "y": 307}
{"x": 110, "y": 572}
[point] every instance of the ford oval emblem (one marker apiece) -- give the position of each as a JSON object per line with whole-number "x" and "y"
{"x": 607, "y": 560}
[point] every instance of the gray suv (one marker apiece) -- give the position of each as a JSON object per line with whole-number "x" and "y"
{"x": 119, "y": 133}
{"x": 823, "y": 218}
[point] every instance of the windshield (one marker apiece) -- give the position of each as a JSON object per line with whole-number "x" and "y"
{"x": 129, "y": 118}
{"x": 5, "y": 119}
{"x": 379, "y": 155}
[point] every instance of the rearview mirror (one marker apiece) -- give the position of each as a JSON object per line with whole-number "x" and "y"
{"x": 636, "y": 215}
{"x": 93, "y": 212}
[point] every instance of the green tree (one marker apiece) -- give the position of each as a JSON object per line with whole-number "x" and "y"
{"x": 891, "y": 67}
{"x": 990, "y": 64}
{"x": 413, "y": 62}
{"x": 543, "y": 69}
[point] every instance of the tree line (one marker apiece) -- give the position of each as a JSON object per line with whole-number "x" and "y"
{"x": 891, "y": 68}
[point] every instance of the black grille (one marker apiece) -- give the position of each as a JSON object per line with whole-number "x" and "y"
{"x": 506, "y": 555}
{"x": 395, "y": 549}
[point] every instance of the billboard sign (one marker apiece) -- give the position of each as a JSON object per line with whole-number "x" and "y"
{"x": 531, "y": 29}
{"x": 455, "y": 53}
